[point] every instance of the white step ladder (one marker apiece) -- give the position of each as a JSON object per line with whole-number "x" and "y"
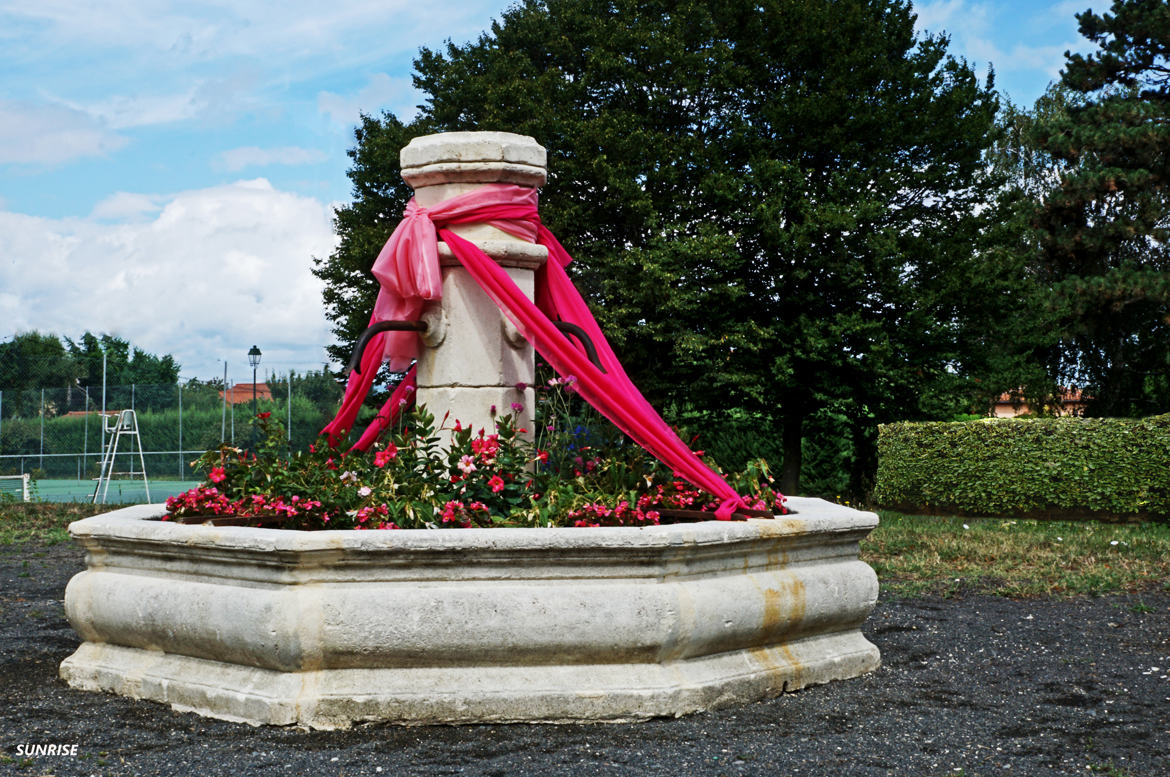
{"x": 125, "y": 424}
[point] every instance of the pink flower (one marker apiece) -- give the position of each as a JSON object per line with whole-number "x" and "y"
{"x": 486, "y": 447}
{"x": 217, "y": 475}
{"x": 381, "y": 458}
{"x": 496, "y": 483}
{"x": 365, "y": 491}
{"x": 517, "y": 407}
{"x": 467, "y": 465}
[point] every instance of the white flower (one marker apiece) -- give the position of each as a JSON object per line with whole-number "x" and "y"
{"x": 1114, "y": 542}
{"x": 365, "y": 491}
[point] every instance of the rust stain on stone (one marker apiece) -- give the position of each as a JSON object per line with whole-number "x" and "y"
{"x": 784, "y": 605}
{"x": 781, "y": 665}
{"x": 782, "y": 527}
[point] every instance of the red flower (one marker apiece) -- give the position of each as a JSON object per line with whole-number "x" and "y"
{"x": 263, "y": 415}
{"x": 382, "y": 458}
{"x": 217, "y": 475}
{"x": 497, "y": 484}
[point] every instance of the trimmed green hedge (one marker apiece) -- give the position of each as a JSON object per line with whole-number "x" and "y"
{"x": 1108, "y": 466}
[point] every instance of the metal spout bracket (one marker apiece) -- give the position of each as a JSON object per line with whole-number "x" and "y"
{"x": 583, "y": 338}
{"x": 355, "y": 361}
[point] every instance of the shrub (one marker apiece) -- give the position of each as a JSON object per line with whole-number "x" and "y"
{"x": 1109, "y": 467}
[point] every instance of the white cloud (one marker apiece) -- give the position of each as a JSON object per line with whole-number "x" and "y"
{"x": 203, "y": 99}
{"x": 127, "y": 206}
{"x": 191, "y": 32}
{"x": 51, "y": 134}
{"x": 212, "y": 272}
{"x": 253, "y": 156}
{"x": 382, "y": 92}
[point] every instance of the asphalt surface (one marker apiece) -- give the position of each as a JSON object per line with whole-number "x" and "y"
{"x": 971, "y": 685}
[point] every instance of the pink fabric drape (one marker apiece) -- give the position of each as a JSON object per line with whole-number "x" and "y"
{"x": 402, "y": 396}
{"x": 513, "y": 210}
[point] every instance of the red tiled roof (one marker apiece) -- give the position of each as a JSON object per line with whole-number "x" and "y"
{"x": 242, "y": 392}
{"x": 1066, "y": 396}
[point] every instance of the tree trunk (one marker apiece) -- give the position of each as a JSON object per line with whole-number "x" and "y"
{"x": 864, "y": 461}
{"x": 790, "y": 442}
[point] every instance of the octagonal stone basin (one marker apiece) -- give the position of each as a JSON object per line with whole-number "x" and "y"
{"x": 325, "y": 629}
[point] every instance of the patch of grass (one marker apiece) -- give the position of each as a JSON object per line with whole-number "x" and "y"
{"x": 944, "y": 555}
{"x": 43, "y": 522}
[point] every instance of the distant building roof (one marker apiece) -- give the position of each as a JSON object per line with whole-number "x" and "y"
{"x": 242, "y": 392}
{"x": 1071, "y": 402}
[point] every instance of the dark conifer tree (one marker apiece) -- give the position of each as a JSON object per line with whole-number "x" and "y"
{"x": 1104, "y": 230}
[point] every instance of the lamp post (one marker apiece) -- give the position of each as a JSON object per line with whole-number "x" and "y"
{"x": 254, "y": 360}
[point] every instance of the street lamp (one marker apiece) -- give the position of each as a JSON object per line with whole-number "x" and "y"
{"x": 254, "y": 360}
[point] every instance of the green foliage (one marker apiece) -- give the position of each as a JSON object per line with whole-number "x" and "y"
{"x": 1101, "y": 229}
{"x": 124, "y": 366}
{"x": 772, "y": 204}
{"x": 31, "y": 361}
{"x": 732, "y": 439}
{"x": 1081, "y": 466}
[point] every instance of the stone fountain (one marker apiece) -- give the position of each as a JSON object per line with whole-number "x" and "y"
{"x": 324, "y": 629}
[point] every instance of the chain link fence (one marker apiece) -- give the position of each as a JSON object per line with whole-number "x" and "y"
{"x": 58, "y": 433}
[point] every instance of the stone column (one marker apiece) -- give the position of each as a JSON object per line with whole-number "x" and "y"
{"x": 472, "y": 357}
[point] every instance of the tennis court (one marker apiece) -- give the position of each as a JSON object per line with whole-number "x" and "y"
{"x": 120, "y": 492}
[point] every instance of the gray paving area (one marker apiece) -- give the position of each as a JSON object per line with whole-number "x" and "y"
{"x": 971, "y": 685}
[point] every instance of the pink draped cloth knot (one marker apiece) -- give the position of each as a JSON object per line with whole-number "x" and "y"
{"x": 410, "y": 276}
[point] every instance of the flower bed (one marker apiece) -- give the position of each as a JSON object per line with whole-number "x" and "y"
{"x": 477, "y": 480}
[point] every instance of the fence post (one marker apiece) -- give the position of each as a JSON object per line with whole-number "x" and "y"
{"x": 85, "y": 437}
{"x": 102, "y": 424}
{"x": 1, "y": 421}
{"x": 289, "y": 429}
{"x": 180, "y": 430}
{"x": 223, "y": 411}
{"x": 41, "y": 463}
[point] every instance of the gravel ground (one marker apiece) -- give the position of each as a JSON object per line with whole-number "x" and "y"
{"x": 970, "y": 685}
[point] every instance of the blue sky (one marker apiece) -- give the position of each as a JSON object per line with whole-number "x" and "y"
{"x": 168, "y": 169}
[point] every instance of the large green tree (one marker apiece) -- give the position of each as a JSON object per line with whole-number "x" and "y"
{"x": 1103, "y": 229}
{"x": 772, "y": 204}
{"x": 28, "y": 362}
